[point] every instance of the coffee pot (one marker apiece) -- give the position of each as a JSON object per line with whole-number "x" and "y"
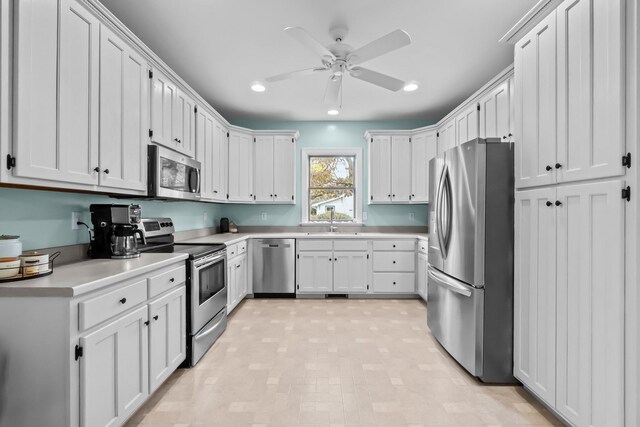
{"x": 115, "y": 231}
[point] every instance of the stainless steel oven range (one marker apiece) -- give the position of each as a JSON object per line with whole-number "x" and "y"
{"x": 206, "y": 285}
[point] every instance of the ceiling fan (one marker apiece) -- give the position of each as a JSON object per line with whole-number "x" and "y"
{"x": 339, "y": 58}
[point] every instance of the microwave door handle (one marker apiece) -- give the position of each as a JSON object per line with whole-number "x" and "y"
{"x": 198, "y": 180}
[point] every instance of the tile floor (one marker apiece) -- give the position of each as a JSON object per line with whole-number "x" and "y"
{"x": 333, "y": 362}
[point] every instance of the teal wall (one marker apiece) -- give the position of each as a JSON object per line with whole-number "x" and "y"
{"x": 329, "y": 134}
{"x": 43, "y": 218}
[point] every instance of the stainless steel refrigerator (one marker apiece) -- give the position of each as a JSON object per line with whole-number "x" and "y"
{"x": 470, "y": 275}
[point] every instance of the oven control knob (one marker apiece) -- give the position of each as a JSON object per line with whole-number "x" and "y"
{"x": 163, "y": 224}
{"x": 170, "y": 224}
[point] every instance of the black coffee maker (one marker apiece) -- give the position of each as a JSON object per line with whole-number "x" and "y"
{"x": 115, "y": 228}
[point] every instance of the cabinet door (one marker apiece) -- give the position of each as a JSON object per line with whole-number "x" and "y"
{"x": 590, "y": 387}
{"x": 114, "y": 370}
{"x": 232, "y": 286}
{"x": 184, "y": 123}
{"x": 447, "y": 136}
{"x": 56, "y": 95}
{"x": 284, "y": 169}
{"x": 220, "y": 162}
{"x": 422, "y": 275}
{"x": 423, "y": 149}
{"x": 380, "y": 169}
{"x": 205, "y": 152}
{"x": 167, "y": 336}
{"x": 467, "y": 124}
{"x": 591, "y": 97}
{"x": 264, "y": 168}
{"x": 535, "y": 109}
{"x": 315, "y": 271}
{"x": 495, "y": 114}
{"x": 400, "y": 169}
{"x": 535, "y": 292}
{"x": 163, "y": 104}
{"x": 240, "y": 167}
{"x": 242, "y": 278}
{"x": 350, "y": 271}
{"x": 124, "y": 104}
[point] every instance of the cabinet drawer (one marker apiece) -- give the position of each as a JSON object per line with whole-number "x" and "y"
{"x": 423, "y": 246}
{"x": 394, "y": 282}
{"x": 350, "y": 245}
{"x": 242, "y": 247}
{"x": 165, "y": 281}
{"x": 99, "y": 309}
{"x": 394, "y": 261}
{"x": 232, "y": 250}
{"x": 394, "y": 245}
{"x": 315, "y": 245}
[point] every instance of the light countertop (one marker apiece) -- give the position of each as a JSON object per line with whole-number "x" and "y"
{"x": 231, "y": 238}
{"x": 78, "y": 278}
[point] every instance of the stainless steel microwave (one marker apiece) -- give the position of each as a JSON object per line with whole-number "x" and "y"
{"x": 172, "y": 175}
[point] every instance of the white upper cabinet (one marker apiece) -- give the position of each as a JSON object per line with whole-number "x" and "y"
{"x": 284, "y": 169}
{"x": 591, "y": 95}
{"x": 467, "y": 124}
{"x": 591, "y": 303}
{"x": 205, "y": 152}
{"x": 240, "y": 167}
{"x": 264, "y": 168}
{"x": 184, "y": 124}
{"x": 400, "y": 168}
{"x": 424, "y": 147}
{"x": 124, "y": 114}
{"x": 163, "y": 106}
{"x": 447, "y": 136}
{"x": 220, "y": 162}
{"x": 535, "y": 109}
{"x": 495, "y": 113}
{"x": 56, "y": 92}
{"x": 380, "y": 169}
{"x": 534, "y": 347}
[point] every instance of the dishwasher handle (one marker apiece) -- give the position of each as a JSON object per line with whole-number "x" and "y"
{"x": 274, "y": 246}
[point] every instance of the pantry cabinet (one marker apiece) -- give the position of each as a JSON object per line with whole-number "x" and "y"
{"x": 124, "y": 114}
{"x": 56, "y": 92}
{"x": 241, "y": 167}
{"x": 424, "y": 147}
{"x": 275, "y": 168}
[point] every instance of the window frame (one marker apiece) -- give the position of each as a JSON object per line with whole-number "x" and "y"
{"x": 305, "y": 178}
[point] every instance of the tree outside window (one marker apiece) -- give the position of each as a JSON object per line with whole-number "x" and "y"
{"x": 332, "y": 186}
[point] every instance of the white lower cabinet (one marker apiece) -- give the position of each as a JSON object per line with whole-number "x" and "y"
{"x": 315, "y": 272}
{"x": 423, "y": 262}
{"x": 237, "y": 281}
{"x": 114, "y": 370}
{"x": 350, "y": 272}
{"x": 569, "y": 299}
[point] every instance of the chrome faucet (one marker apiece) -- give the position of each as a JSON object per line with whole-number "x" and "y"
{"x": 331, "y": 227}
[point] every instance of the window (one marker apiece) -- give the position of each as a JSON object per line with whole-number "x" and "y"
{"x": 332, "y": 184}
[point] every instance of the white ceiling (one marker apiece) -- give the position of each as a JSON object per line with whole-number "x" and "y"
{"x": 221, "y": 47}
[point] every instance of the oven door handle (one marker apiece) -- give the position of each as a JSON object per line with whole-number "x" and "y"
{"x": 211, "y": 330}
{"x": 207, "y": 262}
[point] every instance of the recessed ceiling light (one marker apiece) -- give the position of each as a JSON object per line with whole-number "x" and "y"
{"x": 410, "y": 87}
{"x": 258, "y": 87}
{"x": 333, "y": 112}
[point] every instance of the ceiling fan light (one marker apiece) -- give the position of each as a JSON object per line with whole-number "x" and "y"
{"x": 258, "y": 87}
{"x": 333, "y": 112}
{"x": 410, "y": 87}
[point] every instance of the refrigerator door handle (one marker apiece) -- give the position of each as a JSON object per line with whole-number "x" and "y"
{"x": 447, "y": 196}
{"x": 448, "y": 282}
{"x": 439, "y": 215}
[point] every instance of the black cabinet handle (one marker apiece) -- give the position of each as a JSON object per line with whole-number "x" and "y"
{"x": 215, "y": 191}
{"x": 270, "y": 195}
{"x": 394, "y": 262}
{"x": 394, "y": 246}
{"x": 172, "y": 280}
{"x": 335, "y": 259}
{"x": 238, "y": 266}
{"x": 394, "y": 283}
{"x": 549, "y": 203}
{"x": 558, "y": 165}
{"x": 275, "y": 195}
{"x": 558, "y": 203}
{"x": 146, "y": 323}
{"x": 389, "y": 196}
{"x": 106, "y": 171}
{"x": 96, "y": 169}
{"x": 510, "y": 134}
{"x": 155, "y": 317}
{"x": 548, "y": 168}
{"x": 504, "y": 137}
{"x": 330, "y": 259}
{"x": 393, "y": 195}
{"x": 123, "y": 300}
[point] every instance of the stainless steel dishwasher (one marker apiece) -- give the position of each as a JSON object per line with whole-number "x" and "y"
{"x": 274, "y": 267}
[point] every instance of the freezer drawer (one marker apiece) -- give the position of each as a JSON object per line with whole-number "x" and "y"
{"x": 455, "y": 317}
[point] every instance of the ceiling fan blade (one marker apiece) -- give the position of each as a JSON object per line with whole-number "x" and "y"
{"x": 376, "y": 78}
{"x": 304, "y": 37}
{"x": 392, "y": 41}
{"x": 291, "y": 74}
{"x": 332, "y": 93}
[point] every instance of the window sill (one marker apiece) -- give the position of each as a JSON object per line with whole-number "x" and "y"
{"x": 335, "y": 224}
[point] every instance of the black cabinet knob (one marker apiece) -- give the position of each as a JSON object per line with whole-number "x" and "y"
{"x": 275, "y": 195}
{"x": 558, "y": 165}
{"x": 335, "y": 259}
{"x": 504, "y": 137}
{"x": 146, "y": 323}
{"x": 106, "y": 171}
{"x": 558, "y": 203}
{"x": 549, "y": 203}
{"x": 389, "y": 195}
{"x": 123, "y": 300}
{"x": 394, "y": 283}
{"x": 394, "y": 262}
{"x": 270, "y": 195}
{"x": 510, "y": 134}
{"x": 96, "y": 169}
{"x": 155, "y": 317}
{"x": 548, "y": 168}
{"x": 393, "y": 195}
{"x": 394, "y": 246}
{"x": 172, "y": 280}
